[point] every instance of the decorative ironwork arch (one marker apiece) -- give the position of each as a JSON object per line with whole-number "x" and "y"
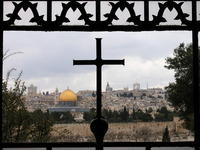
{"x": 137, "y": 24}
{"x": 98, "y": 25}
{"x": 24, "y": 5}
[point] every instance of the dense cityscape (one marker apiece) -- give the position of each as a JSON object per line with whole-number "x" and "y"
{"x": 115, "y": 100}
{"x": 141, "y": 109}
{"x": 136, "y": 115}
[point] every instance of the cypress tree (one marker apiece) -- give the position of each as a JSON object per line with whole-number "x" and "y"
{"x": 166, "y": 137}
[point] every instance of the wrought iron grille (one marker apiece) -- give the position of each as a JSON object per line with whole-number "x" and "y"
{"x": 135, "y": 22}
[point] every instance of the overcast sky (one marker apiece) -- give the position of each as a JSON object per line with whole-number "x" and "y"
{"x": 47, "y": 58}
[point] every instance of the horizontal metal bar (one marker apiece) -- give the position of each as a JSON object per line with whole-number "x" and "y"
{"x": 39, "y": 145}
{"x": 101, "y": 0}
{"x": 106, "y": 144}
{"x": 150, "y": 144}
{"x": 125, "y": 28}
{"x": 84, "y": 62}
{"x": 113, "y": 62}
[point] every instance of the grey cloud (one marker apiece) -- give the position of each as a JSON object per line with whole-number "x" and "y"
{"x": 48, "y": 53}
{"x": 148, "y": 45}
{"x": 47, "y": 57}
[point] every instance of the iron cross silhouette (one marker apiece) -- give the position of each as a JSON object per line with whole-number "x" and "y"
{"x": 98, "y": 126}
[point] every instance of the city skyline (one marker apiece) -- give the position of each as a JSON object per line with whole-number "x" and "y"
{"x": 47, "y": 58}
{"x": 104, "y": 89}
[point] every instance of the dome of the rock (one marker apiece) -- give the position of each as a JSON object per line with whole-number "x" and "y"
{"x": 67, "y": 96}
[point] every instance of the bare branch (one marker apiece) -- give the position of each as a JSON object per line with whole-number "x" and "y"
{"x": 6, "y": 55}
{"x": 8, "y": 74}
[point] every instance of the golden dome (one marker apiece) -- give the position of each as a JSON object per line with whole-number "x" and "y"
{"x": 68, "y": 95}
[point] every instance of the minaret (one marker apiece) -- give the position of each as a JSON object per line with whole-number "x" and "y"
{"x": 56, "y": 91}
{"x": 136, "y": 86}
{"x": 56, "y": 95}
{"x": 108, "y": 88}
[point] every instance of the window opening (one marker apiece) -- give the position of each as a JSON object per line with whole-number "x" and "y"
{"x": 187, "y": 21}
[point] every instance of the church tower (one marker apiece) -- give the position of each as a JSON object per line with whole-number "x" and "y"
{"x": 56, "y": 95}
{"x": 136, "y": 86}
{"x": 108, "y": 88}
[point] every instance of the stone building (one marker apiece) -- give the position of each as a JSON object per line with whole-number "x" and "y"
{"x": 136, "y": 86}
{"x": 32, "y": 90}
{"x": 108, "y": 88}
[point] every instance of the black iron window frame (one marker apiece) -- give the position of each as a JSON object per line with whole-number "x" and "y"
{"x": 98, "y": 25}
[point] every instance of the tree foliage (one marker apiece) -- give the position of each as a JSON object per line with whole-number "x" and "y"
{"x": 19, "y": 125}
{"x": 62, "y": 117}
{"x": 41, "y": 126}
{"x": 14, "y": 112}
{"x": 166, "y": 136}
{"x": 124, "y": 115}
{"x": 89, "y": 116}
{"x": 139, "y": 115}
{"x": 136, "y": 116}
{"x": 180, "y": 93}
{"x": 164, "y": 115}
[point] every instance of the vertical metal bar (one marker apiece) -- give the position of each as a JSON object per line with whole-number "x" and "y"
{"x": 98, "y": 11}
{"x": 196, "y": 89}
{"x": 98, "y": 91}
{"x": 98, "y": 49}
{"x": 1, "y": 49}
{"x": 99, "y": 73}
{"x": 1, "y": 59}
{"x": 99, "y": 147}
{"x": 195, "y": 77}
{"x": 194, "y": 11}
{"x": 48, "y": 148}
{"x": 148, "y": 148}
{"x": 146, "y": 10}
{"x": 49, "y": 11}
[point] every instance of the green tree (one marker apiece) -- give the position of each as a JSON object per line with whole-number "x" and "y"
{"x": 180, "y": 93}
{"x": 141, "y": 116}
{"x": 89, "y": 116}
{"x": 107, "y": 113}
{"x": 115, "y": 116}
{"x": 62, "y": 117}
{"x": 41, "y": 126}
{"x": 19, "y": 125}
{"x": 164, "y": 115}
{"x": 15, "y": 118}
{"x": 124, "y": 115}
{"x": 149, "y": 110}
{"x": 166, "y": 137}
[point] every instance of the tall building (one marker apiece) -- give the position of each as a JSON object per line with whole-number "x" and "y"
{"x": 32, "y": 90}
{"x": 56, "y": 95}
{"x": 136, "y": 86}
{"x": 126, "y": 89}
{"x": 108, "y": 88}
